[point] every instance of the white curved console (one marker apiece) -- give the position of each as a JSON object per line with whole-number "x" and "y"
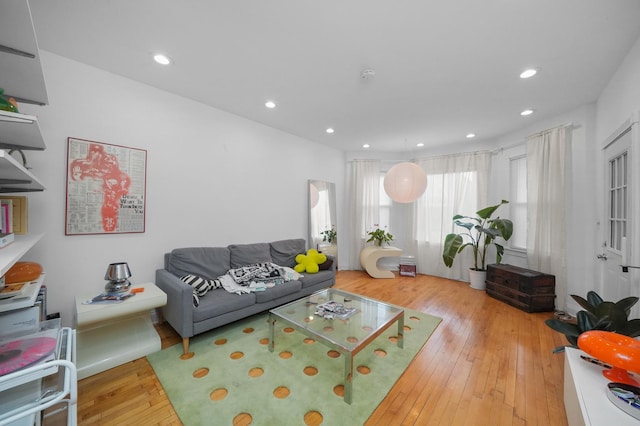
{"x": 370, "y": 255}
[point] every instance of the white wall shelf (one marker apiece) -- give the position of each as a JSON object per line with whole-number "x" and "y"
{"x": 20, "y": 131}
{"x": 10, "y": 254}
{"x": 21, "y": 75}
{"x": 14, "y": 177}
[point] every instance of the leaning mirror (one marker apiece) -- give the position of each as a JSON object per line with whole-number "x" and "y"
{"x": 323, "y": 232}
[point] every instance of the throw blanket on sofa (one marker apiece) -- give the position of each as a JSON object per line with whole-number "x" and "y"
{"x": 258, "y": 272}
{"x": 246, "y": 279}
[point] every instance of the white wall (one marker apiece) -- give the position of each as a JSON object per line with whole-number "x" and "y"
{"x": 213, "y": 178}
{"x": 619, "y": 102}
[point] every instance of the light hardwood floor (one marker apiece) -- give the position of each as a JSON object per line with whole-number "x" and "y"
{"x": 487, "y": 363}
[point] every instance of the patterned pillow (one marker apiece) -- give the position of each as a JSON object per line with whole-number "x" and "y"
{"x": 200, "y": 286}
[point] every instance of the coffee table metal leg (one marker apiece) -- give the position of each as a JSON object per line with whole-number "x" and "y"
{"x": 348, "y": 377}
{"x": 401, "y": 331}
{"x": 272, "y": 322}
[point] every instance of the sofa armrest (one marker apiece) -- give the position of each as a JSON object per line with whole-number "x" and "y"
{"x": 179, "y": 308}
{"x": 333, "y": 264}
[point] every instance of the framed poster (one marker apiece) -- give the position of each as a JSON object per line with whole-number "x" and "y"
{"x": 106, "y": 188}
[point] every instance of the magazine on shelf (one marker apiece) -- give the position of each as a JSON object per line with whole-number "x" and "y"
{"x": 6, "y": 238}
{"x": 109, "y": 298}
{"x": 334, "y": 309}
{"x": 13, "y": 290}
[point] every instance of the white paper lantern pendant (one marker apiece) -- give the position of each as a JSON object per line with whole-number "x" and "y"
{"x": 405, "y": 182}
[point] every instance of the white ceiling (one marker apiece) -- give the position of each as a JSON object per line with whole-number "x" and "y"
{"x": 443, "y": 68}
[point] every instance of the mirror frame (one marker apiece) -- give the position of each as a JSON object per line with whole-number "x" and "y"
{"x": 321, "y": 202}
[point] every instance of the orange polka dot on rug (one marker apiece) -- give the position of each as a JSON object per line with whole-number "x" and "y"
{"x": 339, "y": 390}
{"x": 363, "y": 369}
{"x": 313, "y": 418}
{"x": 218, "y": 394}
{"x": 310, "y": 370}
{"x": 281, "y": 392}
{"x": 256, "y": 372}
{"x": 200, "y": 372}
{"x": 242, "y": 419}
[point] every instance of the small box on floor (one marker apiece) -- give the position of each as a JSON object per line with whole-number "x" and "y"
{"x": 407, "y": 266}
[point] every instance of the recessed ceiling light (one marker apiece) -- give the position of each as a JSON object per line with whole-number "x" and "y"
{"x": 420, "y": 144}
{"x": 270, "y": 104}
{"x": 527, "y": 112}
{"x": 330, "y": 130}
{"x": 529, "y": 73}
{"x": 471, "y": 135}
{"x": 366, "y": 145}
{"x": 161, "y": 59}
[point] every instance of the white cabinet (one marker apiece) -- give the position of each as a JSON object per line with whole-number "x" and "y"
{"x": 26, "y": 393}
{"x": 585, "y": 394}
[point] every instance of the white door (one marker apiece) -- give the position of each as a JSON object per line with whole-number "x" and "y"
{"x": 620, "y": 234}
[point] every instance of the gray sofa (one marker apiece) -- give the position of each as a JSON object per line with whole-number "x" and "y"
{"x": 219, "y": 307}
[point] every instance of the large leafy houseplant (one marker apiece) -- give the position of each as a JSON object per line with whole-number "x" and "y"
{"x": 479, "y": 233}
{"x": 598, "y": 315}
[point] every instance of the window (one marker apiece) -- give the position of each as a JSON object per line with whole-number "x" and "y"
{"x": 385, "y": 206}
{"x": 617, "y": 200}
{"x": 518, "y": 202}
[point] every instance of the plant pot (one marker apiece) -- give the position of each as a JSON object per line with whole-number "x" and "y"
{"x": 477, "y": 279}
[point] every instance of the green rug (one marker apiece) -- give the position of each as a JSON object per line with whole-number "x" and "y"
{"x": 233, "y": 373}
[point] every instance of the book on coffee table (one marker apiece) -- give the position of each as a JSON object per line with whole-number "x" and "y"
{"x": 334, "y": 309}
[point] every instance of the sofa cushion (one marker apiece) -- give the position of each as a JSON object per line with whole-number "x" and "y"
{"x": 205, "y": 262}
{"x": 284, "y": 252}
{"x": 219, "y": 302}
{"x": 277, "y": 291}
{"x": 200, "y": 286}
{"x": 309, "y": 280}
{"x": 248, "y": 254}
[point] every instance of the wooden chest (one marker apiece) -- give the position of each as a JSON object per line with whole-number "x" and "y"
{"x": 527, "y": 290}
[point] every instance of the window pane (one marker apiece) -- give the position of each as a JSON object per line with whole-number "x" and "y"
{"x": 518, "y": 202}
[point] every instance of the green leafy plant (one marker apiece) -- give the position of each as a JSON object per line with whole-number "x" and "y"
{"x": 379, "y": 236}
{"x": 598, "y": 315}
{"x": 480, "y": 233}
{"x": 330, "y": 235}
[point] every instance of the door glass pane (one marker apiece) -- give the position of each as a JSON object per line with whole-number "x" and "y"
{"x": 618, "y": 175}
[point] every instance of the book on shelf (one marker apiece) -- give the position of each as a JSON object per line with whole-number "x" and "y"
{"x": 109, "y": 298}
{"x": 6, "y": 239}
{"x": 19, "y": 213}
{"x": 7, "y": 215}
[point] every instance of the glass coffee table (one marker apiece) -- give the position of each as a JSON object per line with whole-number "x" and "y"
{"x": 349, "y": 335}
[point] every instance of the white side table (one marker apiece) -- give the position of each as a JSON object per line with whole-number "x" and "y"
{"x": 369, "y": 260}
{"x": 585, "y": 394}
{"x": 109, "y": 335}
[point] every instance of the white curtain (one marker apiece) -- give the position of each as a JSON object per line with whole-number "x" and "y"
{"x": 456, "y": 184}
{"x": 546, "y": 156}
{"x": 364, "y": 205}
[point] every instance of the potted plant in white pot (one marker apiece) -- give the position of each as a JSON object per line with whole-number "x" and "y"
{"x": 480, "y": 233}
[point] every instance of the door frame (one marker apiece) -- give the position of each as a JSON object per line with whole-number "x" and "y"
{"x": 633, "y": 208}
